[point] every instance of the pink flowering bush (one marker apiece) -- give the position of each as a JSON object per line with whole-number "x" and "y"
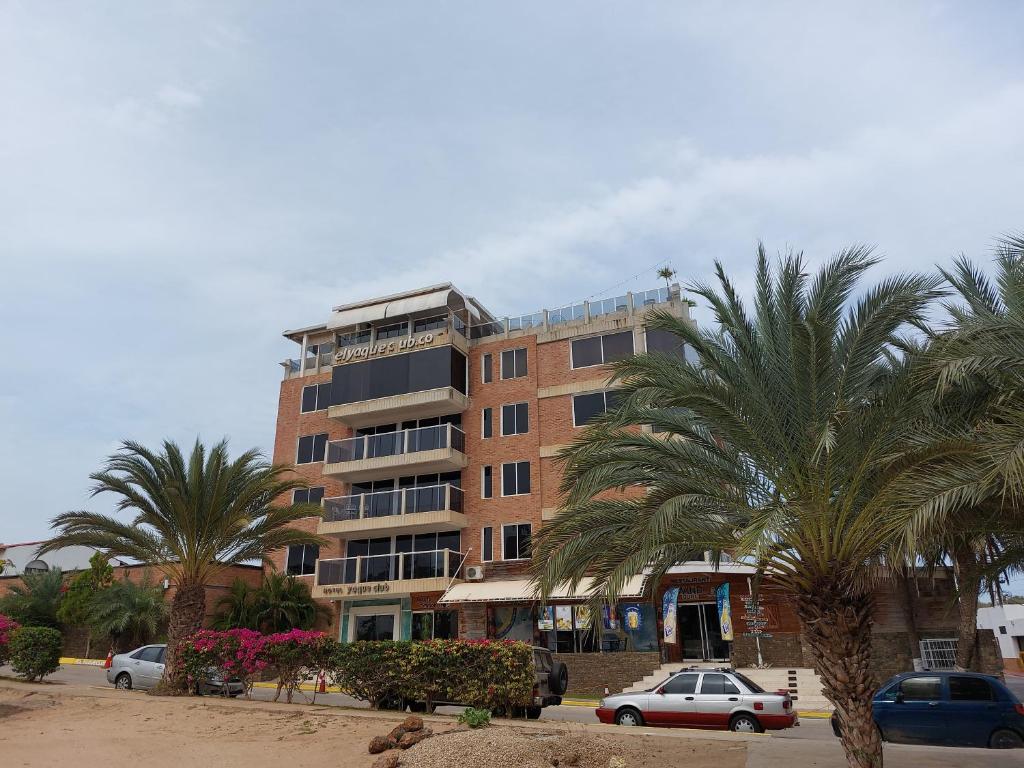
{"x": 7, "y": 626}
{"x": 295, "y": 654}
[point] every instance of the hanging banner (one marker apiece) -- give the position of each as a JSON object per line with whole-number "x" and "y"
{"x": 610, "y": 620}
{"x": 668, "y": 613}
{"x": 724, "y": 611}
{"x": 563, "y": 618}
{"x": 546, "y": 619}
{"x": 582, "y": 616}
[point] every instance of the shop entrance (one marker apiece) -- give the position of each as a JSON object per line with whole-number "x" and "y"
{"x": 700, "y": 633}
{"x": 374, "y": 623}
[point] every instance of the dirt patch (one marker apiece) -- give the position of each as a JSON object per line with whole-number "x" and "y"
{"x": 98, "y": 729}
{"x": 500, "y": 747}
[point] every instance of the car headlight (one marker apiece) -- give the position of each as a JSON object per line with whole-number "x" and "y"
{"x": 600, "y": 704}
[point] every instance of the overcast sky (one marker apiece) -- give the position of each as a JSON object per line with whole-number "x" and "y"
{"x": 181, "y": 181}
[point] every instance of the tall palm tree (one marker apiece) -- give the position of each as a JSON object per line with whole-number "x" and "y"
{"x": 194, "y": 517}
{"x": 129, "y": 614}
{"x": 36, "y": 601}
{"x": 781, "y": 442}
{"x": 284, "y": 602}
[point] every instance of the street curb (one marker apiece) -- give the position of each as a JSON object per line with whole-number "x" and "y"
{"x": 71, "y": 661}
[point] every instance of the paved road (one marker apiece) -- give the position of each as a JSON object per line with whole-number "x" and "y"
{"x": 85, "y": 675}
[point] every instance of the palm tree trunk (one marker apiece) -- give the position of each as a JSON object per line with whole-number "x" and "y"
{"x": 186, "y": 618}
{"x": 837, "y": 626}
{"x": 965, "y": 568}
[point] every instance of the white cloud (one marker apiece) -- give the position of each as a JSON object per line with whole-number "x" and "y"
{"x": 177, "y": 97}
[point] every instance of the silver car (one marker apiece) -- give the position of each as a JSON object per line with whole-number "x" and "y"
{"x": 702, "y": 698}
{"x": 144, "y": 667}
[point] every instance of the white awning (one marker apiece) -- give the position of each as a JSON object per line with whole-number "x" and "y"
{"x": 436, "y": 297}
{"x": 522, "y": 591}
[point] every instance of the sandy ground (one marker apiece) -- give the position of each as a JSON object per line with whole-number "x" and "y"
{"x": 55, "y": 725}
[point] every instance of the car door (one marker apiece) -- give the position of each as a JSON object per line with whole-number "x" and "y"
{"x": 917, "y": 712}
{"x": 972, "y": 712}
{"x": 714, "y": 703}
{"x": 143, "y": 666}
{"x": 672, "y": 703}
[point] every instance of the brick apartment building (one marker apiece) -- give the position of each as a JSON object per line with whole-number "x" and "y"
{"x": 428, "y": 430}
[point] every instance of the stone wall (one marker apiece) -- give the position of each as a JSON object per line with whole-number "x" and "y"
{"x": 589, "y": 673}
{"x": 782, "y": 649}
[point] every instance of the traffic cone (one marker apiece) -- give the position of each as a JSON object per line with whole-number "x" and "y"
{"x": 110, "y": 659}
{"x": 321, "y": 683}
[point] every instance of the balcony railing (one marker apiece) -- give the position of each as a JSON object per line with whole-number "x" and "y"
{"x": 396, "y": 443}
{"x": 400, "y": 501}
{"x": 399, "y": 566}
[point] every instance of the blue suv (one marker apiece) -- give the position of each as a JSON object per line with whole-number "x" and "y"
{"x": 956, "y": 709}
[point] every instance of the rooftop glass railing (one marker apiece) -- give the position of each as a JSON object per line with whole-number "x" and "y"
{"x": 398, "y": 501}
{"x": 396, "y": 443}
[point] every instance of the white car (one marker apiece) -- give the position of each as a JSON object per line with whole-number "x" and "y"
{"x": 703, "y": 698}
{"x": 144, "y": 667}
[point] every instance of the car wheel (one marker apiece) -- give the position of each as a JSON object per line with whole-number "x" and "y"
{"x": 123, "y": 681}
{"x": 533, "y": 713}
{"x": 1004, "y": 738}
{"x": 744, "y": 723}
{"x": 628, "y": 716}
{"x": 836, "y": 729}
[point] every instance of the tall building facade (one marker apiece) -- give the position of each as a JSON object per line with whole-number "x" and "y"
{"x": 428, "y": 431}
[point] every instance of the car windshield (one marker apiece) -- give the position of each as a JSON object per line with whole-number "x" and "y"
{"x": 751, "y": 685}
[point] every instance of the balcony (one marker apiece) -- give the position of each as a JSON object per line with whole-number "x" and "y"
{"x": 395, "y": 574}
{"x": 443, "y": 401}
{"x": 404, "y": 510}
{"x": 405, "y": 452}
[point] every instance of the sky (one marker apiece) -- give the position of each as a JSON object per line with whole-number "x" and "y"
{"x": 182, "y": 181}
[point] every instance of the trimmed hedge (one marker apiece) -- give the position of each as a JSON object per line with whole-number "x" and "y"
{"x": 7, "y": 627}
{"x": 35, "y": 651}
{"x": 486, "y": 674}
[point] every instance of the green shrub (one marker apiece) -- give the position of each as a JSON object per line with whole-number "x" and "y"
{"x": 474, "y": 717}
{"x": 374, "y": 671}
{"x": 35, "y": 651}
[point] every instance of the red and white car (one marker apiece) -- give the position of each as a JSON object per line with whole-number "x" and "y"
{"x": 703, "y": 698}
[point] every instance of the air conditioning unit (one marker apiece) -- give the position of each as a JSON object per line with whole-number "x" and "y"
{"x": 474, "y": 573}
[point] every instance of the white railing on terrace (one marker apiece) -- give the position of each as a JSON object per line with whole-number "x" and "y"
{"x": 396, "y": 501}
{"x": 398, "y": 566}
{"x": 396, "y": 443}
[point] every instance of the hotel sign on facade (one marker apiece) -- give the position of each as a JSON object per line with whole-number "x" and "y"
{"x": 390, "y": 347}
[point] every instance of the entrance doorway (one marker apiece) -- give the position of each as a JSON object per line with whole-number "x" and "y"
{"x": 700, "y": 633}
{"x": 373, "y": 623}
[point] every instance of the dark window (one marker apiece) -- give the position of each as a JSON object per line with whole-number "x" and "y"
{"x": 515, "y": 419}
{"x": 665, "y": 342}
{"x": 515, "y": 541}
{"x": 487, "y": 489}
{"x": 393, "y": 331}
{"x": 488, "y": 544}
{"x": 302, "y": 559}
{"x": 1002, "y": 630}
{"x": 430, "y": 324}
{"x": 589, "y": 406}
{"x": 681, "y": 684}
{"x": 316, "y": 397}
{"x": 602, "y": 349}
{"x": 308, "y": 495}
{"x": 446, "y": 625}
{"x": 361, "y": 336}
{"x": 969, "y": 689}
{"x": 921, "y": 689}
{"x": 513, "y": 363}
{"x": 488, "y": 368}
{"x": 515, "y": 478}
{"x": 399, "y": 375}
{"x": 715, "y": 683}
{"x": 488, "y": 428}
{"x": 152, "y": 653}
{"x": 311, "y": 448}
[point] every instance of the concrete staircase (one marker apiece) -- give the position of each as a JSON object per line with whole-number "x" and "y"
{"x": 802, "y": 683}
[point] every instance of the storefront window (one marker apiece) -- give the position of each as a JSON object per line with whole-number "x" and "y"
{"x": 513, "y": 622}
{"x": 435, "y": 625}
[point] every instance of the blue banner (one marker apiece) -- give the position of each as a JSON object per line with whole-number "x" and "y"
{"x": 668, "y": 613}
{"x": 724, "y": 611}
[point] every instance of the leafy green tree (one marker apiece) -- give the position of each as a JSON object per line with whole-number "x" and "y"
{"x": 129, "y": 614}
{"x": 778, "y": 445}
{"x": 82, "y": 590}
{"x": 284, "y": 602}
{"x": 193, "y": 517}
{"x": 35, "y": 651}
{"x": 36, "y": 601}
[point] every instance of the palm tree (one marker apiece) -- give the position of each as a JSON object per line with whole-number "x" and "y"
{"x": 782, "y": 442}
{"x": 36, "y": 601}
{"x": 284, "y": 602}
{"x": 666, "y": 273}
{"x": 234, "y": 610}
{"x": 129, "y": 614}
{"x": 193, "y": 518}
